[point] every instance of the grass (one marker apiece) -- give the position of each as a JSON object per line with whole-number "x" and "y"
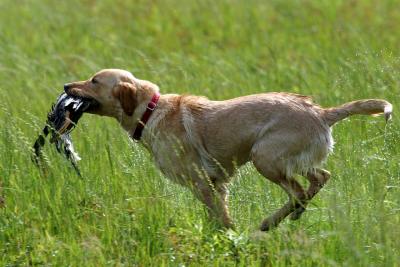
{"x": 124, "y": 212}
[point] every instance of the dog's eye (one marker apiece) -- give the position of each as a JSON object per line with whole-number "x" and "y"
{"x": 94, "y": 81}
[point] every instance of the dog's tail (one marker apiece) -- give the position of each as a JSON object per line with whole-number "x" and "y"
{"x": 364, "y": 107}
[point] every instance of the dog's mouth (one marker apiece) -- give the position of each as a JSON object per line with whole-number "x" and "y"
{"x": 89, "y": 104}
{"x": 68, "y": 109}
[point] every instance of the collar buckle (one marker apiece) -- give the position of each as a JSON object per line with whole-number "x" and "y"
{"x": 151, "y": 106}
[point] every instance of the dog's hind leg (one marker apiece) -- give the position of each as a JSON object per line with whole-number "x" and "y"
{"x": 296, "y": 200}
{"x": 274, "y": 167}
{"x": 295, "y": 191}
{"x": 317, "y": 179}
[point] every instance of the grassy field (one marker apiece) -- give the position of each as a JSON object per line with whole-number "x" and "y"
{"x": 123, "y": 212}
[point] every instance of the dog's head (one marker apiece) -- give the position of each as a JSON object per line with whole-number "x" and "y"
{"x": 114, "y": 91}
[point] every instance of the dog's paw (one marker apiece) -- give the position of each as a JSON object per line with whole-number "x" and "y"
{"x": 268, "y": 224}
{"x": 295, "y": 215}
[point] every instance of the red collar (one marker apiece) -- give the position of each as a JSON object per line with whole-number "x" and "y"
{"x": 145, "y": 117}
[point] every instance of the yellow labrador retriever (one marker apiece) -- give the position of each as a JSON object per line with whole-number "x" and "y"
{"x": 199, "y": 143}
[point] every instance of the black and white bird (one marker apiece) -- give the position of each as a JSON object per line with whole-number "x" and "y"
{"x": 61, "y": 120}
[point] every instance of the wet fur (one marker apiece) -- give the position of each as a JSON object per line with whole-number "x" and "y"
{"x": 199, "y": 143}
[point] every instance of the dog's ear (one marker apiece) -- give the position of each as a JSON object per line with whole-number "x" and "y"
{"x": 126, "y": 94}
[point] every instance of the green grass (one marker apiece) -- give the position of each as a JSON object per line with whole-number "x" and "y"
{"x": 124, "y": 212}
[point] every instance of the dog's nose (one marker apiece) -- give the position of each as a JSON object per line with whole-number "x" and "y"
{"x": 66, "y": 87}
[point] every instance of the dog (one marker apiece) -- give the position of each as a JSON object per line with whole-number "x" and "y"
{"x": 199, "y": 143}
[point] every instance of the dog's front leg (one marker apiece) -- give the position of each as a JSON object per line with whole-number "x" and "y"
{"x": 215, "y": 199}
